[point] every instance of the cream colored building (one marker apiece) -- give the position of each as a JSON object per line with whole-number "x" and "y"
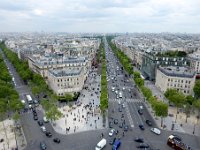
{"x": 180, "y": 78}
{"x": 66, "y": 80}
{"x": 42, "y": 64}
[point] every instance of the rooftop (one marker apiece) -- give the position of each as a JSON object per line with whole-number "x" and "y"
{"x": 65, "y": 72}
{"x": 177, "y": 71}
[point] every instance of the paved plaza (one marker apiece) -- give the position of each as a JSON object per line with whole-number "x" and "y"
{"x": 84, "y": 114}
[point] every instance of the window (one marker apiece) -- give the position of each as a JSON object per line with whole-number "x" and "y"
{"x": 58, "y": 80}
{"x": 189, "y": 82}
{"x": 168, "y": 79}
{"x": 58, "y": 85}
{"x": 185, "y": 81}
{"x": 67, "y": 79}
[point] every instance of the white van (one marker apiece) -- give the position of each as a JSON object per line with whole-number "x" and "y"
{"x": 156, "y": 131}
{"x": 101, "y": 144}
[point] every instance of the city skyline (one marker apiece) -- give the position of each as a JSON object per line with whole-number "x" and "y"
{"x": 100, "y": 16}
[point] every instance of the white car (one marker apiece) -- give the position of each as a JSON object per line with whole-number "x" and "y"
{"x": 156, "y": 131}
{"x": 45, "y": 119}
{"x": 43, "y": 128}
{"x": 112, "y": 131}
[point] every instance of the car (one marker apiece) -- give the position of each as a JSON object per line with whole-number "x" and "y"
{"x": 56, "y": 140}
{"x": 141, "y": 127}
{"x": 148, "y": 122}
{"x": 34, "y": 113}
{"x": 178, "y": 138}
{"x": 156, "y": 131}
{"x": 139, "y": 140}
{"x": 40, "y": 123}
{"x": 112, "y": 141}
{"x": 43, "y": 146}
{"x": 115, "y": 121}
{"x": 48, "y": 134}
{"x": 112, "y": 131}
{"x": 110, "y": 125}
{"x": 143, "y": 145}
{"x": 43, "y": 128}
{"x": 35, "y": 117}
{"x": 126, "y": 128}
{"x": 140, "y": 111}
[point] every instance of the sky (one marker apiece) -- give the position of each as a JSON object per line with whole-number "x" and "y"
{"x": 100, "y": 16}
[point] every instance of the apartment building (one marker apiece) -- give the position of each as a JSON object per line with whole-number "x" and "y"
{"x": 66, "y": 80}
{"x": 195, "y": 62}
{"x": 150, "y": 62}
{"x": 180, "y": 78}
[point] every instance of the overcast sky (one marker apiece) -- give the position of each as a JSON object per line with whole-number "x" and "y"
{"x": 100, "y": 15}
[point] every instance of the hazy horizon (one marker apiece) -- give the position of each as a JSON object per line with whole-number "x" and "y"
{"x": 100, "y": 16}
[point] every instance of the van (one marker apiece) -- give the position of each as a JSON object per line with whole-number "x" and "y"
{"x": 101, "y": 144}
{"x": 116, "y": 145}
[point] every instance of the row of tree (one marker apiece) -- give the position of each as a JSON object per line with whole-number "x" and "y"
{"x": 34, "y": 80}
{"x": 10, "y": 105}
{"x": 188, "y": 103}
{"x": 104, "y": 90}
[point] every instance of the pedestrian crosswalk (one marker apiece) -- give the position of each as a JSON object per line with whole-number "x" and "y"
{"x": 127, "y": 100}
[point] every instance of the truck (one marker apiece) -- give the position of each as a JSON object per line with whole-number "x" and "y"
{"x": 29, "y": 99}
{"x": 101, "y": 144}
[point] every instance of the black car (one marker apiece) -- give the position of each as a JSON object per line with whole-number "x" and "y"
{"x": 48, "y": 134}
{"x": 141, "y": 127}
{"x": 116, "y": 121}
{"x": 139, "y": 140}
{"x": 112, "y": 141}
{"x": 43, "y": 146}
{"x": 40, "y": 123}
{"x": 34, "y": 113}
{"x": 140, "y": 112}
{"x": 35, "y": 117}
{"x": 143, "y": 145}
{"x": 178, "y": 138}
{"x": 148, "y": 122}
{"x": 126, "y": 128}
{"x": 110, "y": 125}
{"x": 56, "y": 140}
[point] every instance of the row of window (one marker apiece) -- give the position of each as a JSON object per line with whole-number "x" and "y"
{"x": 68, "y": 79}
{"x": 179, "y": 81}
{"x": 68, "y": 85}
{"x": 178, "y": 85}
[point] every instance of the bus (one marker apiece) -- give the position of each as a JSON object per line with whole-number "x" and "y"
{"x": 176, "y": 143}
{"x": 30, "y": 100}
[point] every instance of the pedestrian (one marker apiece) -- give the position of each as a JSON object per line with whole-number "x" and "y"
{"x": 123, "y": 133}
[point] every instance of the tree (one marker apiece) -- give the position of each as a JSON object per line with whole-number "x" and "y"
{"x": 147, "y": 92}
{"x": 161, "y": 110}
{"x": 136, "y": 74}
{"x": 139, "y": 82}
{"x": 177, "y": 98}
{"x": 68, "y": 97}
{"x": 53, "y": 113}
{"x": 188, "y": 106}
{"x": 196, "y": 89}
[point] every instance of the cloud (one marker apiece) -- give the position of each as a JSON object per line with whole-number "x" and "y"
{"x": 100, "y": 15}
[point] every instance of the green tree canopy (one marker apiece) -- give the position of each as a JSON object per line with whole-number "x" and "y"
{"x": 196, "y": 89}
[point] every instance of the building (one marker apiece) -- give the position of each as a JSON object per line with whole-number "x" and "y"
{"x": 66, "y": 80}
{"x": 150, "y": 62}
{"x": 180, "y": 78}
{"x": 195, "y": 62}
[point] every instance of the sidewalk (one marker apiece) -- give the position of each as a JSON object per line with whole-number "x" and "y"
{"x": 84, "y": 115}
{"x": 180, "y": 125}
{"x": 10, "y": 137}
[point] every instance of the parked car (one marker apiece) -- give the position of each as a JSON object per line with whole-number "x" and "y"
{"x": 139, "y": 140}
{"x": 56, "y": 140}
{"x": 141, "y": 127}
{"x": 40, "y": 123}
{"x": 156, "y": 131}
{"x": 148, "y": 122}
{"x": 43, "y": 146}
{"x": 126, "y": 128}
{"x": 121, "y": 125}
{"x": 43, "y": 128}
{"x": 110, "y": 125}
{"x": 48, "y": 134}
{"x": 112, "y": 131}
